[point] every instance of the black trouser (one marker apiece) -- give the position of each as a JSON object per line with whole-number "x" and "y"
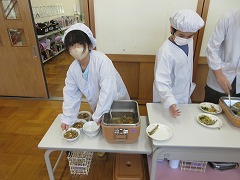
{"x": 214, "y": 96}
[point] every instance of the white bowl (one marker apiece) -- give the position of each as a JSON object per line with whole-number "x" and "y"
{"x": 91, "y": 134}
{"x": 84, "y": 115}
{"x": 77, "y": 125}
{"x": 91, "y": 128}
{"x": 72, "y": 138}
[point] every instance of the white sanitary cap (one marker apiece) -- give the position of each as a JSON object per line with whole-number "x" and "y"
{"x": 186, "y": 21}
{"x": 85, "y": 29}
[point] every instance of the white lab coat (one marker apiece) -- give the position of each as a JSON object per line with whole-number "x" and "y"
{"x": 223, "y": 50}
{"x": 103, "y": 86}
{"x": 173, "y": 75}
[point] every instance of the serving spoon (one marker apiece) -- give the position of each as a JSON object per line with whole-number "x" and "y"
{"x": 229, "y": 98}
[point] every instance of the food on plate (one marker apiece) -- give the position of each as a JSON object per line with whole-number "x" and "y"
{"x": 237, "y": 105}
{"x": 237, "y": 113}
{"x": 83, "y": 116}
{"x": 71, "y": 134}
{"x": 78, "y": 125}
{"x": 209, "y": 109}
{"x": 207, "y": 120}
{"x": 153, "y": 130}
{"x": 122, "y": 120}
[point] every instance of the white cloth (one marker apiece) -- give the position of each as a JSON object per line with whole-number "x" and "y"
{"x": 186, "y": 21}
{"x": 173, "y": 75}
{"x": 223, "y": 50}
{"x": 103, "y": 86}
{"x": 85, "y": 29}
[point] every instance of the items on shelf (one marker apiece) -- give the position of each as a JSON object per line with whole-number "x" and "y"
{"x": 50, "y": 44}
{"x": 50, "y": 35}
{"x": 56, "y": 24}
{"x": 46, "y": 11}
{"x": 46, "y": 27}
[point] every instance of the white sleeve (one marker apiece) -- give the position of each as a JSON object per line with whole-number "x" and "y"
{"x": 108, "y": 90}
{"x": 214, "y": 44}
{"x": 163, "y": 80}
{"x": 71, "y": 100}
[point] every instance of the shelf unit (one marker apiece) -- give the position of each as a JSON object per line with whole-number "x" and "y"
{"x": 55, "y": 48}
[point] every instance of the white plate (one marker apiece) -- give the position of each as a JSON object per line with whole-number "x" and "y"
{"x": 209, "y": 105}
{"x": 86, "y": 118}
{"x": 162, "y": 133}
{"x": 71, "y": 129}
{"x": 217, "y": 124}
{"x": 79, "y": 120}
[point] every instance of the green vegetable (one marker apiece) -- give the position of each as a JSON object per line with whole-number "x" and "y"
{"x": 153, "y": 130}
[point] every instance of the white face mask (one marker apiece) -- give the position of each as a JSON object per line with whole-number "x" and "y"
{"x": 182, "y": 41}
{"x": 78, "y": 53}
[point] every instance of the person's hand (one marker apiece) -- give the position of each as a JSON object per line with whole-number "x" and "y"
{"x": 99, "y": 121}
{"x": 174, "y": 111}
{"x": 64, "y": 126}
{"x": 223, "y": 81}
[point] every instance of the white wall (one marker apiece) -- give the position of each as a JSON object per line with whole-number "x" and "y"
{"x": 135, "y": 26}
{"x": 216, "y": 9}
{"x": 67, "y": 5}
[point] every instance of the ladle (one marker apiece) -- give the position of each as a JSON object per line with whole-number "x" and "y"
{"x": 229, "y": 98}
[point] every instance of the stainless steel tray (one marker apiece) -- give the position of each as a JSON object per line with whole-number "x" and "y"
{"x": 226, "y": 104}
{"x": 121, "y": 108}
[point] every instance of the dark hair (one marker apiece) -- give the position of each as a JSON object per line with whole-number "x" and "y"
{"x": 173, "y": 30}
{"x": 77, "y": 36}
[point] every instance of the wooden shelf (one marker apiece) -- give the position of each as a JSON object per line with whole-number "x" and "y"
{"x": 51, "y": 33}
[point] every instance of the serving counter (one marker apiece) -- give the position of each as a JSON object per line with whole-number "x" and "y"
{"x": 53, "y": 141}
{"x": 191, "y": 140}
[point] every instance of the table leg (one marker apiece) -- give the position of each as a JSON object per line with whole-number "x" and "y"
{"x": 154, "y": 163}
{"x": 48, "y": 163}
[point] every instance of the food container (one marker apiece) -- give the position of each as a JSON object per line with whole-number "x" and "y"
{"x": 79, "y": 123}
{"x": 128, "y": 167}
{"x": 230, "y": 114}
{"x": 84, "y": 115}
{"x": 71, "y": 134}
{"x": 122, "y": 123}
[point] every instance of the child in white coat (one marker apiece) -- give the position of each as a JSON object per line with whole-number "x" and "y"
{"x": 91, "y": 74}
{"x": 174, "y": 62}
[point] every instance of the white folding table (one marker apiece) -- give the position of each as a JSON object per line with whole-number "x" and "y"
{"x": 191, "y": 140}
{"x": 53, "y": 141}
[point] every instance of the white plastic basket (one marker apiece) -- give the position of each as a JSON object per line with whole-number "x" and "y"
{"x": 197, "y": 166}
{"x": 79, "y": 162}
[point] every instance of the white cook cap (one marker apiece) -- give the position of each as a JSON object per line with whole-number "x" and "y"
{"x": 186, "y": 21}
{"x": 85, "y": 29}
